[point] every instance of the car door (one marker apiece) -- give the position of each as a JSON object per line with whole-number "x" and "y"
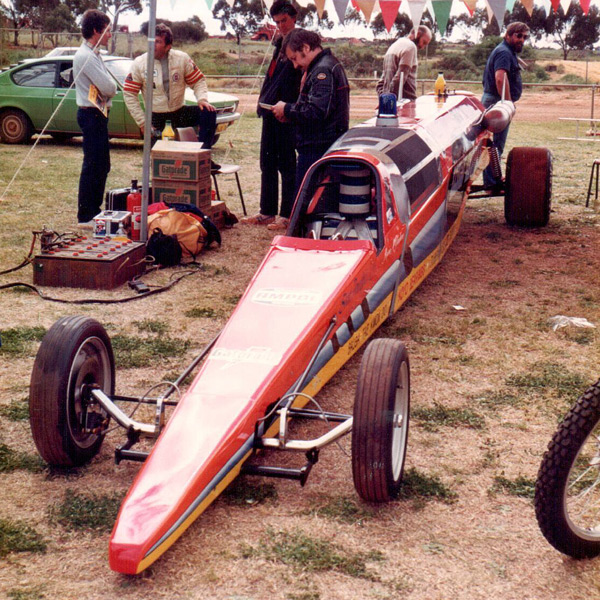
{"x": 33, "y": 91}
{"x": 64, "y": 97}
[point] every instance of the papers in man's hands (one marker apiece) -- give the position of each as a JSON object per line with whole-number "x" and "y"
{"x": 96, "y": 98}
{"x": 266, "y": 106}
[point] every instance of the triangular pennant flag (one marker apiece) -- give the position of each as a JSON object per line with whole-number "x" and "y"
{"x": 490, "y": 12}
{"x": 555, "y": 4}
{"x": 415, "y": 10}
{"x": 546, "y": 6}
{"x": 441, "y": 10}
{"x": 366, "y": 7}
{"x": 320, "y": 4}
{"x": 268, "y": 4}
{"x": 355, "y": 5}
{"x": 389, "y": 12}
{"x": 471, "y": 4}
{"x": 230, "y": 2}
{"x": 209, "y": 3}
{"x": 173, "y": 4}
{"x": 498, "y": 7}
{"x": 510, "y": 4}
{"x": 585, "y": 6}
{"x": 340, "y": 9}
{"x": 528, "y": 6}
{"x": 565, "y": 4}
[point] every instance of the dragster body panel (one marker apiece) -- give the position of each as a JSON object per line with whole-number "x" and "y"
{"x": 373, "y": 217}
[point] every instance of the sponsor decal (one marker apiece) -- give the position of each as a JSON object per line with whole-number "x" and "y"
{"x": 166, "y": 170}
{"x": 283, "y": 297}
{"x": 258, "y": 355}
{"x": 322, "y": 76}
{"x": 176, "y": 77}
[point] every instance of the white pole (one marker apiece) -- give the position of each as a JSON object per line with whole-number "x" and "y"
{"x": 148, "y": 122}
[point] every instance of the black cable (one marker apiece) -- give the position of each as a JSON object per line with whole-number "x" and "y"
{"x": 152, "y": 292}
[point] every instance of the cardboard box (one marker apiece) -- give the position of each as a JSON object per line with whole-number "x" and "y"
{"x": 217, "y": 213}
{"x": 181, "y": 161}
{"x": 194, "y": 192}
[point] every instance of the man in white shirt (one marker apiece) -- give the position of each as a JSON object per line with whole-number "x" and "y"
{"x": 94, "y": 88}
{"x": 401, "y": 59}
{"x": 174, "y": 71}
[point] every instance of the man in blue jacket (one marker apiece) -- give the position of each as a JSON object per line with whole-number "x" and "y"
{"x": 277, "y": 154}
{"x": 94, "y": 89}
{"x": 502, "y": 79}
{"x": 322, "y": 112}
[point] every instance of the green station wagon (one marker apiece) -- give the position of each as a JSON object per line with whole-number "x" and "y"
{"x": 31, "y": 91}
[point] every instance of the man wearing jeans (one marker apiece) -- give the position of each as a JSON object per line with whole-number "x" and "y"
{"x": 94, "y": 88}
{"x": 502, "y": 79}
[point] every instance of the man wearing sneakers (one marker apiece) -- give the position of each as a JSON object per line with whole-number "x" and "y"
{"x": 277, "y": 154}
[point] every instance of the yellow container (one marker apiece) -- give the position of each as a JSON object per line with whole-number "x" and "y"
{"x": 168, "y": 133}
{"x": 439, "y": 87}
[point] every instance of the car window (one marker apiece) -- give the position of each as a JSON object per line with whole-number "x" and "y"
{"x": 119, "y": 69}
{"x": 65, "y": 75}
{"x": 39, "y": 75}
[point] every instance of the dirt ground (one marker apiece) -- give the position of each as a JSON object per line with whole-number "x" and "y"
{"x": 482, "y": 543}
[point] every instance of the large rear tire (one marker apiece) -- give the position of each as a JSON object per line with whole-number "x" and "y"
{"x": 381, "y": 417}
{"x": 528, "y": 187}
{"x": 67, "y": 427}
{"x": 567, "y": 492}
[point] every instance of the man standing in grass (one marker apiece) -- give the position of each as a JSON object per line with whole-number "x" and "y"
{"x": 94, "y": 88}
{"x": 277, "y": 154}
{"x": 502, "y": 80}
{"x": 400, "y": 61}
{"x": 174, "y": 71}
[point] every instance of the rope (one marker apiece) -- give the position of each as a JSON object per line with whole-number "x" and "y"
{"x": 20, "y": 167}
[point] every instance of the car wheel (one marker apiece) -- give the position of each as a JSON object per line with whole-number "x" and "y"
{"x": 528, "y": 187}
{"x": 15, "y": 127}
{"x": 381, "y": 417}
{"x": 67, "y": 425}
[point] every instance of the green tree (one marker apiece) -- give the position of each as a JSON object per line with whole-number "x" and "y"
{"x": 243, "y": 18}
{"x": 114, "y": 9}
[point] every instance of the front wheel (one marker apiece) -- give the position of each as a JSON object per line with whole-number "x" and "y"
{"x": 380, "y": 424}
{"x": 15, "y": 127}
{"x": 528, "y": 187}
{"x": 567, "y": 492}
{"x": 67, "y": 426}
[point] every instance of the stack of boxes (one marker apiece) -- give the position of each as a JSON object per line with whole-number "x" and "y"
{"x": 181, "y": 173}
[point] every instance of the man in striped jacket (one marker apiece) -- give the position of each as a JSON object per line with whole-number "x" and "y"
{"x": 174, "y": 71}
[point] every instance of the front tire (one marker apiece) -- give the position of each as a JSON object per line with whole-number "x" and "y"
{"x": 528, "y": 187}
{"x": 67, "y": 427}
{"x": 567, "y": 491}
{"x": 15, "y": 127}
{"x": 381, "y": 417}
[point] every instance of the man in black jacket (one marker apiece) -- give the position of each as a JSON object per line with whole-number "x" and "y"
{"x": 277, "y": 154}
{"x": 322, "y": 112}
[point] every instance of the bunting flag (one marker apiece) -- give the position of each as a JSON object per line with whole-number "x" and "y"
{"x": 497, "y": 7}
{"x": 585, "y": 6}
{"x": 510, "y": 4}
{"x": 441, "y": 11}
{"x": 470, "y": 5}
{"x": 340, "y": 9}
{"x": 320, "y": 4}
{"x": 415, "y": 10}
{"x": 555, "y": 4}
{"x": 366, "y": 7}
{"x": 268, "y": 3}
{"x": 209, "y": 3}
{"x": 230, "y": 2}
{"x": 389, "y": 11}
{"x": 528, "y": 6}
{"x": 565, "y": 4}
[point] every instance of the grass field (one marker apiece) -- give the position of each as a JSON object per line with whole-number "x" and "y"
{"x": 489, "y": 385}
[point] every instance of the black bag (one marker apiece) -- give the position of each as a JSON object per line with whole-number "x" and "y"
{"x": 164, "y": 248}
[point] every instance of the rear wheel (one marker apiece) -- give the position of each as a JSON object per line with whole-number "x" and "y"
{"x": 15, "y": 127}
{"x": 67, "y": 425}
{"x": 381, "y": 417}
{"x": 528, "y": 187}
{"x": 567, "y": 491}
